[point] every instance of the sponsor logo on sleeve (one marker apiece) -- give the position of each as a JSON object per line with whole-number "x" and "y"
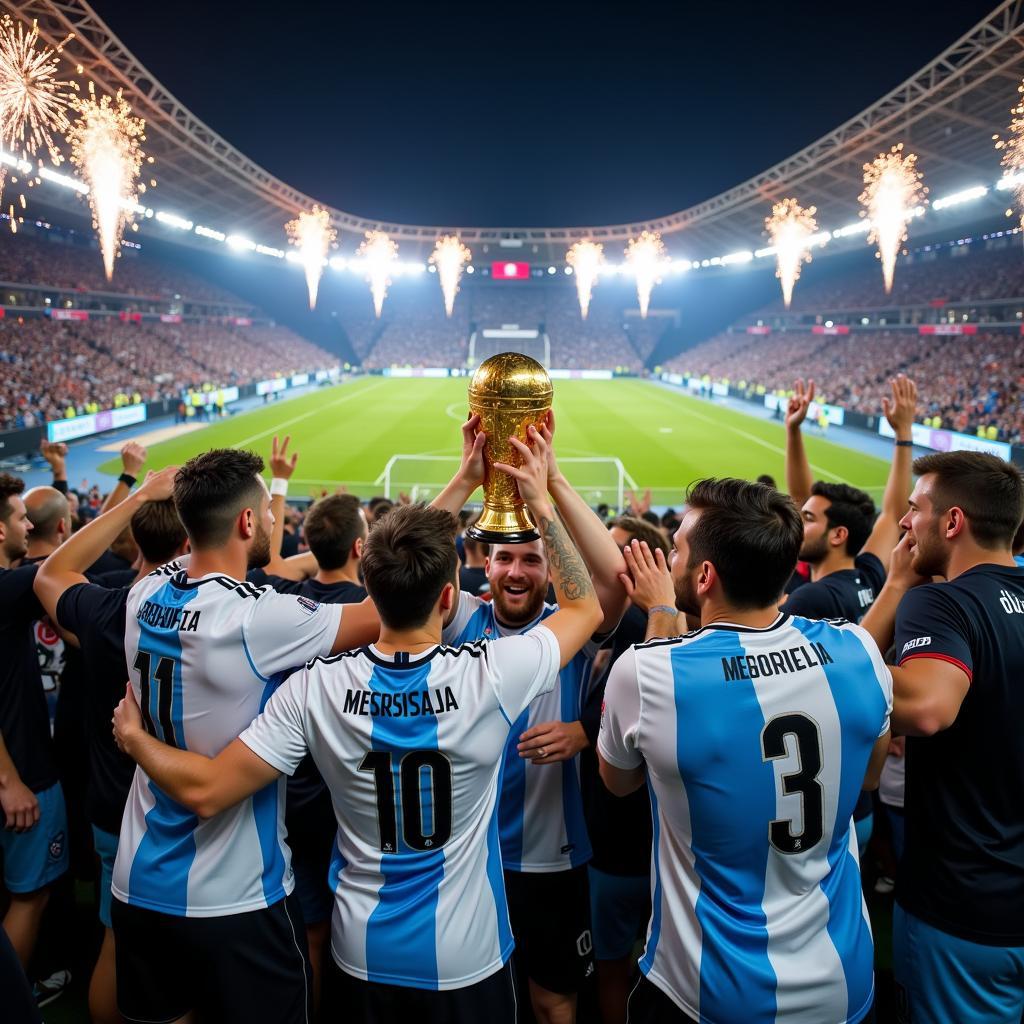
{"x": 307, "y": 604}
{"x": 920, "y": 641}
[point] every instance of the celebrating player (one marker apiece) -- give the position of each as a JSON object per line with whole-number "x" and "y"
{"x": 408, "y": 735}
{"x": 757, "y": 732}
{"x": 544, "y": 842}
{"x": 958, "y": 930}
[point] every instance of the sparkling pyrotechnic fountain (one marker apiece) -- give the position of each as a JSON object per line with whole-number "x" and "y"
{"x": 586, "y": 259}
{"x": 378, "y": 253}
{"x": 312, "y": 234}
{"x": 646, "y": 258}
{"x": 790, "y": 228}
{"x": 33, "y": 100}
{"x": 893, "y": 193}
{"x": 450, "y": 256}
{"x": 1013, "y": 151}
{"x": 105, "y": 147}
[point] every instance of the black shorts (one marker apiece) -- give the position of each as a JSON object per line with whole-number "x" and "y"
{"x": 550, "y": 917}
{"x": 354, "y": 1001}
{"x": 239, "y": 968}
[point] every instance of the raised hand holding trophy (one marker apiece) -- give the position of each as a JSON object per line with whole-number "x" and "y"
{"x": 511, "y": 392}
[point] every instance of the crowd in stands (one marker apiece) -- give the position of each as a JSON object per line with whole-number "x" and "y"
{"x": 55, "y": 369}
{"x": 45, "y": 259}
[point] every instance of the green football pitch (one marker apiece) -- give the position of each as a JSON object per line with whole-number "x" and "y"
{"x": 662, "y": 439}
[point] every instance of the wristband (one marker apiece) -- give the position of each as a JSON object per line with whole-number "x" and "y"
{"x": 904, "y": 444}
{"x": 127, "y": 479}
{"x": 279, "y": 485}
{"x": 662, "y": 609}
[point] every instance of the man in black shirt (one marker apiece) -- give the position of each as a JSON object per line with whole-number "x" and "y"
{"x": 845, "y": 552}
{"x": 34, "y": 838}
{"x": 959, "y": 923}
{"x": 473, "y": 574}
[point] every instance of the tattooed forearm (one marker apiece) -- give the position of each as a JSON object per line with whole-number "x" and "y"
{"x": 572, "y": 578}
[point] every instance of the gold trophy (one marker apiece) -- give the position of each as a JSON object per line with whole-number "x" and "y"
{"x": 511, "y": 392}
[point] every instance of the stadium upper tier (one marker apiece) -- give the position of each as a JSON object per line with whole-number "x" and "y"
{"x": 52, "y": 369}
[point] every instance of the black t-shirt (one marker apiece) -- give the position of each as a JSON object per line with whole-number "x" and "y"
{"x": 308, "y": 810}
{"x": 963, "y": 866}
{"x": 473, "y": 580}
{"x": 846, "y": 594}
{"x": 96, "y": 615}
{"x": 619, "y": 827}
{"x": 107, "y": 562}
{"x": 24, "y": 717}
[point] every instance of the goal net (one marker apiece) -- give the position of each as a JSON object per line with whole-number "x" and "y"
{"x": 600, "y": 480}
{"x": 493, "y": 341}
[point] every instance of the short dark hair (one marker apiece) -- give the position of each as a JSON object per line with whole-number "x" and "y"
{"x": 767, "y": 479}
{"x": 212, "y": 489}
{"x": 751, "y": 533}
{"x": 471, "y": 544}
{"x": 409, "y": 557}
{"x": 849, "y": 507}
{"x": 332, "y": 526}
{"x": 9, "y": 486}
{"x": 651, "y": 517}
{"x": 640, "y": 529}
{"x": 158, "y": 531}
{"x": 989, "y": 490}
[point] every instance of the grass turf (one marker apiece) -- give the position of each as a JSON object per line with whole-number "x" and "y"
{"x": 665, "y": 440}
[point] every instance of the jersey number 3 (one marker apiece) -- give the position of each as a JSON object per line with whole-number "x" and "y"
{"x": 803, "y": 781}
{"x": 425, "y": 805}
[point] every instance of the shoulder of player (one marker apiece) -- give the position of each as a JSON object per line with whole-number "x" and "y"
{"x": 660, "y": 644}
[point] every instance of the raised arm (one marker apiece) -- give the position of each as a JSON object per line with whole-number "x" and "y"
{"x": 67, "y": 565}
{"x": 592, "y": 538}
{"x": 470, "y": 474}
{"x": 281, "y": 469}
{"x": 880, "y": 620}
{"x": 899, "y": 411}
{"x": 579, "y": 611}
{"x": 56, "y": 453}
{"x": 133, "y": 458}
{"x": 798, "y": 470}
{"x": 206, "y": 786}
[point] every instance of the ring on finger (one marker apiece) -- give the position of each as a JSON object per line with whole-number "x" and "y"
{"x": 543, "y": 751}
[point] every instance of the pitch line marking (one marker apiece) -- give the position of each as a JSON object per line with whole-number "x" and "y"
{"x": 278, "y": 427}
{"x": 758, "y": 440}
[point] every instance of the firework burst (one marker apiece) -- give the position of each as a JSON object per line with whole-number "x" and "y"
{"x": 450, "y": 256}
{"x": 379, "y": 253}
{"x": 312, "y": 233}
{"x": 586, "y": 259}
{"x": 33, "y": 101}
{"x": 892, "y": 192}
{"x": 1012, "y": 148}
{"x": 646, "y": 257}
{"x": 790, "y": 227}
{"x": 105, "y": 147}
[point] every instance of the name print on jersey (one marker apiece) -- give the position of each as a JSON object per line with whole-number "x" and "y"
{"x": 1011, "y": 603}
{"x": 790, "y": 659}
{"x": 166, "y": 617}
{"x": 400, "y": 705}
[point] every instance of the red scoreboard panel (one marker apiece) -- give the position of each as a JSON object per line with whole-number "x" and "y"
{"x": 503, "y": 271}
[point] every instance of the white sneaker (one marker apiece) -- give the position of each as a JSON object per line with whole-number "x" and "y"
{"x": 49, "y": 989}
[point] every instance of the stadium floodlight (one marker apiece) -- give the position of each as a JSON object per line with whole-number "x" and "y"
{"x": 239, "y": 242}
{"x": 205, "y": 232}
{"x": 470, "y": 269}
{"x": 892, "y": 195}
{"x": 269, "y": 250}
{"x": 552, "y": 270}
{"x": 105, "y": 147}
{"x": 745, "y": 256}
{"x": 966, "y": 195}
{"x": 64, "y": 180}
{"x": 172, "y": 220}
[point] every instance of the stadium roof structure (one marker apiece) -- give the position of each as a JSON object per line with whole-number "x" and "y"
{"x": 947, "y": 113}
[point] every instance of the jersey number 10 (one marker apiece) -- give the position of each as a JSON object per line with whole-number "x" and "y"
{"x": 416, "y": 815}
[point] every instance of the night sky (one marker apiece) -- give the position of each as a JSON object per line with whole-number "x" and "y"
{"x": 529, "y": 114}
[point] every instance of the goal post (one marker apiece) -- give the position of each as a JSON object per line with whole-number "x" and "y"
{"x": 422, "y": 477}
{"x": 491, "y": 342}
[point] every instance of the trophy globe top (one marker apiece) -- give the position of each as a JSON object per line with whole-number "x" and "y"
{"x": 510, "y": 377}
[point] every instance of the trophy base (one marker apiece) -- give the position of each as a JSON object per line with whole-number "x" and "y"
{"x": 500, "y": 537}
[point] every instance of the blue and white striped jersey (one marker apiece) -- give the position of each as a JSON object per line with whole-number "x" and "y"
{"x": 204, "y": 656}
{"x": 756, "y": 743}
{"x": 542, "y": 824}
{"x": 410, "y": 748}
